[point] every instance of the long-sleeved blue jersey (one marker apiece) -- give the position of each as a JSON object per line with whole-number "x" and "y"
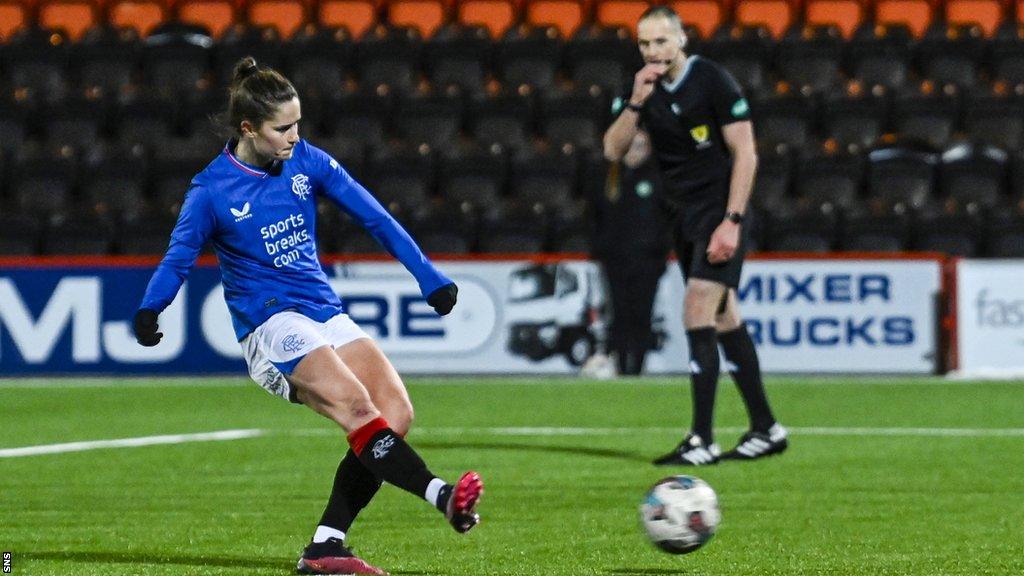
{"x": 263, "y": 230}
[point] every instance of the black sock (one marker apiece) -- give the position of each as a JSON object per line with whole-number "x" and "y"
{"x": 390, "y": 458}
{"x": 354, "y": 487}
{"x": 740, "y": 352}
{"x": 703, "y": 378}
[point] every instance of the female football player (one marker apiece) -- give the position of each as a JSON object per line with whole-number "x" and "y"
{"x": 256, "y": 202}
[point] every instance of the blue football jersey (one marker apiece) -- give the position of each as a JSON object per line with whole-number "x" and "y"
{"x": 262, "y": 225}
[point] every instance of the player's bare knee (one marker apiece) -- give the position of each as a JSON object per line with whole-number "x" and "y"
{"x": 400, "y": 416}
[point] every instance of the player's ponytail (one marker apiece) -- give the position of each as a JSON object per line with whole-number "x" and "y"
{"x": 254, "y": 95}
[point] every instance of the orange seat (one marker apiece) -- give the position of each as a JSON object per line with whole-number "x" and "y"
{"x": 216, "y": 15}
{"x": 624, "y": 13}
{"x": 72, "y": 16}
{"x": 565, "y": 15}
{"x": 285, "y": 15}
{"x": 140, "y": 15}
{"x": 705, "y": 15}
{"x": 846, "y": 15}
{"x": 987, "y": 14}
{"x": 13, "y": 17}
{"x": 914, "y": 14}
{"x": 776, "y": 15}
{"x": 357, "y": 16}
{"x": 496, "y": 16}
{"x": 424, "y": 15}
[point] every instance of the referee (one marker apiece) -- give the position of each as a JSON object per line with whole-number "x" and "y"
{"x": 699, "y": 124}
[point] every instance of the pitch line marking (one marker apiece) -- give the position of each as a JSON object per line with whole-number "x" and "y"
{"x": 128, "y": 442}
{"x": 582, "y": 431}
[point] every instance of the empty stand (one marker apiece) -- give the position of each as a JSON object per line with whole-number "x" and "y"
{"x": 704, "y": 15}
{"x": 775, "y": 15}
{"x": 745, "y": 51}
{"x": 578, "y": 118}
{"x": 176, "y": 60}
{"x": 809, "y": 58}
{"x": 216, "y": 16}
{"x": 14, "y": 16}
{"x": 881, "y": 55}
{"x": 832, "y": 180}
{"x": 566, "y": 16}
{"x": 36, "y": 61}
{"x": 74, "y": 17}
{"x": 600, "y": 57}
{"x": 505, "y": 118}
{"x": 286, "y": 16}
{"x": 845, "y": 15}
{"x": 142, "y": 16}
{"x": 996, "y": 120}
{"x": 107, "y": 59}
{"x": 495, "y": 16}
{"x": 389, "y": 57}
{"x": 974, "y": 176}
{"x": 927, "y": 115}
{"x": 529, "y": 57}
{"x": 985, "y": 14}
{"x": 356, "y": 16}
{"x": 435, "y": 119}
{"x": 783, "y": 119}
{"x": 901, "y": 176}
{"x": 319, "y": 61}
{"x": 473, "y": 176}
{"x": 625, "y": 13}
{"x": 916, "y": 15}
{"x": 855, "y": 117}
{"x": 458, "y": 56}
{"x": 425, "y": 16}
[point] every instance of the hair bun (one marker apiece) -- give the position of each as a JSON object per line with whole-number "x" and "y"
{"x": 246, "y": 67}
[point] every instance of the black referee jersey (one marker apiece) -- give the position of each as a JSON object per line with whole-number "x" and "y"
{"x": 685, "y": 121}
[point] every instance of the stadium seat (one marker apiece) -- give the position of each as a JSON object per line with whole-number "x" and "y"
{"x": 15, "y": 118}
{"x": 1007, "y": 59}
{"x": 356, "y": 16}
{"x": 796, "y": 230}
{"x": 287, "y": 16}
{"x": 544, "y": 178}
{"x": 775, "y": 15}
{"x": 514, "y": 228}
{"x": 216, "y": 16}
{"x": 176, "y": 60}
{"x": 107, "y": 59}
{"x": 358, "y": 241}
{"x": 974, "y": 176}
{"x": 830, "y": 180}
{"x": 809, "y": 58}
{"x": 144, "y": 119}
{"x": 952, "y": 54}
{"x": 986, "y": 14}
{"x": 926, "y": 115}
{"x": 529, "y": 57}
{"x": 505, "y": 118}
{"x": 402, "y": 178}
{"x": 578, "y": 118}
{"x": 78, "y": 233}
{"x": 72, "y": 16}
{"x": 899, "y": 175}
{"x": 774, "y": 179}
{"x": 14, "y": 16}
{"x": 1004, "y": 235}
{"x": 995, "y": 119}
{"x": 785, "y": 119}
{"x": 41, "y": 182}
{"x": 704, "y": 15}
{"x": 425, "y": 16}
{"x": 956, "y": 234}
{"x": 496, "y": 16}
{"x": 142, "y": 16}
{"x": 446, "y": 228}
{"x": 624, "y": 13}
{"x": 600, "y": 57}
{"x": 76, "y": 121}
{"x": 35, "y": 61}
{"x": 434, "y": 119}
{"x": 261, "y": 42}
{"x": 348, "y": 150}
{"x": 865, "y": 231}
{"x": 745, "y": 51}
{"x": 846, "y": 15}
{"x": 20, "y": 234}
{"x": 147, "y": 234}
{"x": 881, "y": 55}
{"x": 854, "y": 117}
{"x": 362, "y": 114}
{"x": 916, "y": 15}
{"x": 458, "y": 56}
{"x": 566, "y": 16}
{"x": 473, "y": 176}
{"x": 114, "y": 181}
{"x": 171, "y": 170}
{"x": 319, "y": 61}
{"x": 388, "y": 58}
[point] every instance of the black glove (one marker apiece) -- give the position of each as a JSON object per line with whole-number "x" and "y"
{"x": 442, "y": 300}
{"x": 146, "y": 327}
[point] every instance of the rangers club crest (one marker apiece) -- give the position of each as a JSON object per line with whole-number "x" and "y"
{"x": 300, "y": 186}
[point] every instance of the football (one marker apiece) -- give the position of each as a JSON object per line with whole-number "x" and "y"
{"x": 680, "y": 514}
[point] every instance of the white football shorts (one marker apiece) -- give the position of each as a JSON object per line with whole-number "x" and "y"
{"x": 275, "y": 348}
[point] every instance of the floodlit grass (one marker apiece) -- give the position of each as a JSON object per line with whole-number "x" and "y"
{"x": 876, "y": 482}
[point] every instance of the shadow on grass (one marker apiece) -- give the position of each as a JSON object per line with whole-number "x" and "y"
{"x": 286, "y": 565}
{"x": 643, "y": 571}
{"x": 518, "y": 447}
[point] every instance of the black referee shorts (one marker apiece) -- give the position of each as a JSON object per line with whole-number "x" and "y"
{"x": 691, "y": 252}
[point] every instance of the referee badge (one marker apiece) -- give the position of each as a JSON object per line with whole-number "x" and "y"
{"x": 700, "y": 136}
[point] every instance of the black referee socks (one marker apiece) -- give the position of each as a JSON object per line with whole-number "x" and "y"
{"x": 703, "y": 378}
{"x": 740, "y": 352}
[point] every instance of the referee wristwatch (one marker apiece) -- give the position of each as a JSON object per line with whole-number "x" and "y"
{"x": 734, "y": 217}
